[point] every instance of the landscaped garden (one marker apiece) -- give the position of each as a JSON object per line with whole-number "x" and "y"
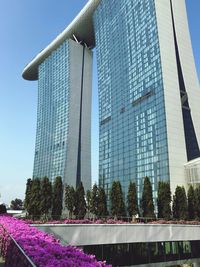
{"x": 21, "y": 242}
{"x": 42, "y": 249}
{"x": 46, "y": 201}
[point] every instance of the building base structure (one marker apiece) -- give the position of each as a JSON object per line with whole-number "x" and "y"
{"x": 145, "y": 245}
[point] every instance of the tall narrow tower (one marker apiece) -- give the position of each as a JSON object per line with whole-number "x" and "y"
{"x": 64, "y": 73}
{"x": 64, "y": 115}
{"x": 148, "y": 92}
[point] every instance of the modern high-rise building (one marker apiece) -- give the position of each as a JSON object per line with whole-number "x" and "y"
{"x": 149, "y": 96}
{"x": 64, "y": 113}
{"x": 148, "y": 92}
{"x": 63, "y": 136}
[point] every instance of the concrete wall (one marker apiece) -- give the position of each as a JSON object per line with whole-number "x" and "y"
{"x": 86, "y": 121}
{"x": 77, "y": 59}
{"x": 174, "y": 118}
{"x": 175, "y": 128}
{"x": 91, "y": 234}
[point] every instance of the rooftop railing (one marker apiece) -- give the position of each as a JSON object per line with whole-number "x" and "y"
{"x": 12, "y": 252}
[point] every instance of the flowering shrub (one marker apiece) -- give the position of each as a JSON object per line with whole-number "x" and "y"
{"x": 85, "y": 221}
{"x": 175, "y": 222}
{"x": 112, "y": 221}
{"x": 43, "y": 249}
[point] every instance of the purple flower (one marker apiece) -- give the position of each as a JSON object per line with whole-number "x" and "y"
{"x": 42, "y": 248}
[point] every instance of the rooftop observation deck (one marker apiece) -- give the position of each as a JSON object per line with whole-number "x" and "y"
{"x": 81, "y": 28}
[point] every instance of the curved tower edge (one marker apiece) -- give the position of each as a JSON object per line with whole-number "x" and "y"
{"x": 81, "y": 27}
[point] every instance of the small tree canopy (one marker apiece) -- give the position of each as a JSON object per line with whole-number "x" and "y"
{"x": 147, "y": 200}
{"x": 2, "y": 209}
{"x": 132, "y": 201}
{"x": 192, "y": 210}
{"x": 16, "y": 204}
{"x": 57, "y": 198}
{"x": 164, "y": 200}
{"x": 27, "y": 200}
{"x": 197, "y": 201}
{"x": 94, "y": 200}
{"x": 35, "y": 198}
{"x": 69, "y": 199}
{"x": 88, "y": 200}
{"x": 80, "y": 203}
{"x": 116, "y": 200}
{"x": 180, "y": 205}
{"x": 46, "y": 196}
{"x": 102, "y": 203}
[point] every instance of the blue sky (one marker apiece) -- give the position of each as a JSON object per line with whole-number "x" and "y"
{"x": 26, "y": 27}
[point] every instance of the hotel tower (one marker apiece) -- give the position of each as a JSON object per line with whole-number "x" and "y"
{"x": 149, "y": 96}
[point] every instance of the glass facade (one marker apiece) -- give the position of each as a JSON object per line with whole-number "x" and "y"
{"x": 130, "y": 254}
{"x": 133, "y": 138}
{"x": 52, "y": 114}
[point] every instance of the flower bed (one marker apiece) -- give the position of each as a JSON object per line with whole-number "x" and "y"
{"x": 85, "y": 221}
{"x": 113, "y": 221}
{"x": 43, "y": 249}
{"x": 175, "y": 222}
